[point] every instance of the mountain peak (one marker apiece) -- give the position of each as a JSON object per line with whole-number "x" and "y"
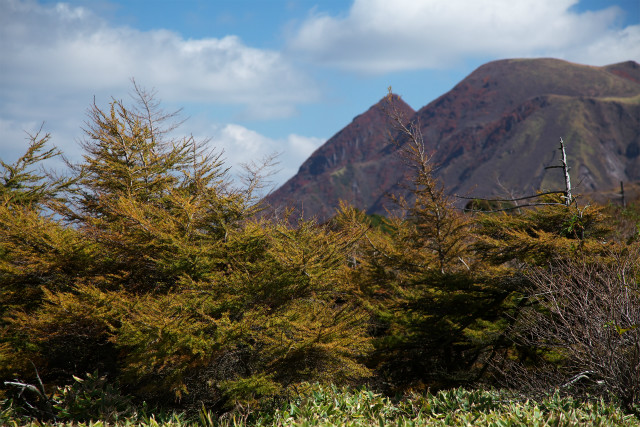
{"x": 337, "y": 170}
{"x": 493, "y": 133}
{"x": 629, "y": 70}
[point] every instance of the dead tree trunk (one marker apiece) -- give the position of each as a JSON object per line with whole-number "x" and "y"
{"x": 567, "y": 178}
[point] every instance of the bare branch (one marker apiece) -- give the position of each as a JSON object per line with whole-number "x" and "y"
{"x": 509, "y": 200}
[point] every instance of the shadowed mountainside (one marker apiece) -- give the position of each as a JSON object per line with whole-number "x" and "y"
{"x": 492, "y": 134}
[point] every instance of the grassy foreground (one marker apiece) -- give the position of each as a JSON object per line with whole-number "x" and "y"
{"x": 330, "y": 406}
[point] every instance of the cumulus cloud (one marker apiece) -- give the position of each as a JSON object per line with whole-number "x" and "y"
{"x": 65, "y": 50}
{"x": 243, "y": 145}
{"x": 56, "y": 57}
{"x": 378, "y": 36}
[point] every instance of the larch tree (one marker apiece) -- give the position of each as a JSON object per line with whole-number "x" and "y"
{"x": 38, "y": 252}
{"x": 436, "y": 316}
{"x": 186, "y": 295}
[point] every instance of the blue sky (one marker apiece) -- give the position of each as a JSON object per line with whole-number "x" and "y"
{"x": 265, "y": 76}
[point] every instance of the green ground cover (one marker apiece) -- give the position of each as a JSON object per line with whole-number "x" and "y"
{"x": 332, "y": 406}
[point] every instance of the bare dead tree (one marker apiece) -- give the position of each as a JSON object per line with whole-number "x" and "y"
{"x": 566, "y": 193}
{"x": 567, "y": 178}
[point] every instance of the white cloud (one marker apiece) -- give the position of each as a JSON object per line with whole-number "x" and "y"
{"x": 61, "y": 49}
{"x": 615, "y": 46}
{"x": 242, "y": 145}
{"x": 379, "y": 36}
{"x": 55, "y": 58}
{"x": 238, "y": 145}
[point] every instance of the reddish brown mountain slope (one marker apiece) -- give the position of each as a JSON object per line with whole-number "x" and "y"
{"x": 500, "y": 126}
{"x": 344, "y": 167}
{"x": 494, "y": 132}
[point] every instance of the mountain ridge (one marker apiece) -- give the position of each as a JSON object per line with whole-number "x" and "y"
{"x": 492, "y": 133}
